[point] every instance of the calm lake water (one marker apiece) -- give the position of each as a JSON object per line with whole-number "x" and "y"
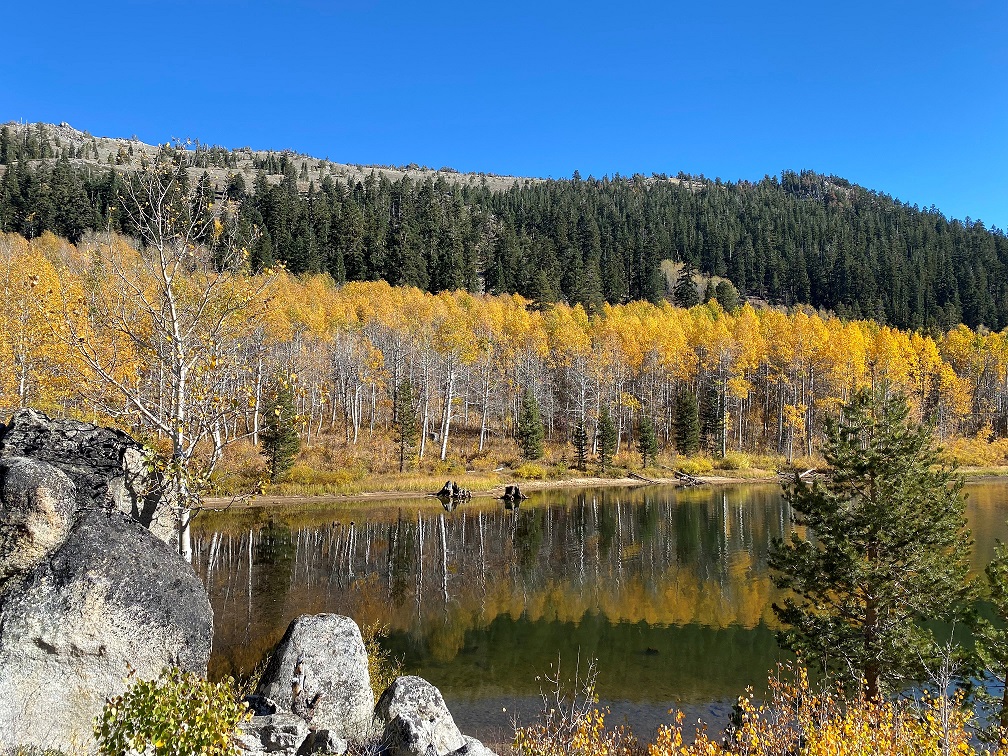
{"x": 667, "y": 588}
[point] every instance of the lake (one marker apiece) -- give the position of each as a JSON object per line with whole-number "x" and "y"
{"x": 667, "y": 588}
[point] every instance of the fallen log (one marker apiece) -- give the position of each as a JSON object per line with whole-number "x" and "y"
{"x": 688, "y": 479}
{"x": 635, "y": 476}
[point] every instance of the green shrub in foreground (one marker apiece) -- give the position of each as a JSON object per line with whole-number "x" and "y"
{"x": 178, "y": 714}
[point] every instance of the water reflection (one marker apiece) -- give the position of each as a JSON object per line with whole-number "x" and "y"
{"x": 668, "y": 589}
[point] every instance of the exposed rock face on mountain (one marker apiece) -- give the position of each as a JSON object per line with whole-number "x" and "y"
{"x": 86, "y": 592}
{"x": 319, "y": 671}
{"x": 107, "y": 466}
{"x": 416, "y": 721}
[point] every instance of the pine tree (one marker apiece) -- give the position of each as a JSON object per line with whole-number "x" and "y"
{"x": 606, "y": 438}
{"x": 405, "y": 429}
{"x": 580, "y": 440}
{"x": 887, "y": 549}
{"x": 685, "y": 292}
{"x": 992, "y": 639}
{"x": 687, "y": 423}
{"x": 727, "y": 295}
{"x": 530, "y": 427}
{"x": 279, "y": 435}
{"x": 647, "y": 441}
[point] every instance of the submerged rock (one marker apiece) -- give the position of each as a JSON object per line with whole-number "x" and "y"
{"x": 320, "y": 672}
{"x": 415, "y": 720}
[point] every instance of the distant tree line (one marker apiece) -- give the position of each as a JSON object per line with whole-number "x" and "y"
{"x": 802, "y": 238}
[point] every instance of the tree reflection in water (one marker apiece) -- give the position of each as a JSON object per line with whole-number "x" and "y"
{"x": 667, "y": 588}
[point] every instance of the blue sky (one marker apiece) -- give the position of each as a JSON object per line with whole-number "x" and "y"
{"x": 907, "y": 98}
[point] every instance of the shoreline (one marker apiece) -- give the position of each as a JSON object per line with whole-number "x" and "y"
{"x": 975, "y": 475}
{"x": 491, "y": 494}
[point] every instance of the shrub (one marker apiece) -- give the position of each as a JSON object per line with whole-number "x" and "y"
{"x": 570, "y": 723}
{"x": 531, "y": 471}
{"x": 800, "y": 720}
{"x": 697, "y": 465}
{"x": 383, "y": 668}
{"x": 178, "y": 714}
{"x": 734, "y": 461}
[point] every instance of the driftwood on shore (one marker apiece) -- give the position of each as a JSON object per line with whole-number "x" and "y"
{"x": 635, "y": 476}
{"x": 795, "y": 475}
{"x": 687, "y": 479}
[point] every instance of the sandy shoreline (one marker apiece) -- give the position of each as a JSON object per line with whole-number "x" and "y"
{"x": 270, "y": 500}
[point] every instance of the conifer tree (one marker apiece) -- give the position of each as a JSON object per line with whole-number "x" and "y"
{"x": 685, "y": 292}
{"x": 530, "y": 427}
{"x": 606, "y": 438}
{"x": 687, "y": 423}
{"x": 885, "y": 551}
{"x": 279, "y": 434}
{"x": 580, "y": 440}
{"x": 405, "y": 429}
{"x": 647, "y": 441}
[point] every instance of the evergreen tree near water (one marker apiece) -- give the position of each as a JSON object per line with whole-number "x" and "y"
{"x": 530, "y": 427}
{"x": 279, "y": 435}
{"x": 405, "y": 430}
{"x": 885, "y": 551}
{"x": 580, "y": 440}
{"x": 606, "y": 438}
{"x": 687, "y": 423}
{"x": 647, "y": 441}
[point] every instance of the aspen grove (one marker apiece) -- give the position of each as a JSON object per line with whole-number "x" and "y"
{"x": 764, "y": 377}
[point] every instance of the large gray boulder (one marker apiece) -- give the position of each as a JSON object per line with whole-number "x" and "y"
{"x": 415, "y": 721}
{"x": 107, "y": 467}
{"x": 37, "y": 506}
{"x": 88, "y": 593}
{"x": 325, "y": 655}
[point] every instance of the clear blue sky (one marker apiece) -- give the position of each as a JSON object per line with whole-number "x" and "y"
{"x": 906, "y": 98}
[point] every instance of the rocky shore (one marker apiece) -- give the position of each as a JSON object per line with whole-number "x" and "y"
{"x": 92, "y": 590}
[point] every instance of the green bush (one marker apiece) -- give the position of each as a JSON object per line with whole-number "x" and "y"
{"x": 178, "y": 714}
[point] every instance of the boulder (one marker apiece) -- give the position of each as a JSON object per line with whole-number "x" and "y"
{"x": 473, "y": 747}
{"x": 107, "y": 467}
{"x": 415, "y": 721}
{"x": 278, "y": 733}
{"x": 325, "y": 655}
{"x": 37, "y": 506}
{"x": 286, "y": 734}
{"x": 110, "y": 597}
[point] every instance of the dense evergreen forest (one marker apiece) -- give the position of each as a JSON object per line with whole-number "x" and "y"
{"x": 799, "y": 238}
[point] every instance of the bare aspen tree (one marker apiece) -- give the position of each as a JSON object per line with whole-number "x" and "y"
{"x": 157, "y": 334}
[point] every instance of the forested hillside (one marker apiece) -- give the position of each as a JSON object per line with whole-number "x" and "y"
{"x": 799, "y": 238}
{"x": 74, "y": 341}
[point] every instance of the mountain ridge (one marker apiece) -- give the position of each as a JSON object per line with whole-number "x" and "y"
{"x": 800, "y": 238}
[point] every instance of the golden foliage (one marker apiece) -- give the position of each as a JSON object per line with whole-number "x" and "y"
{"x": 796, "y": 720}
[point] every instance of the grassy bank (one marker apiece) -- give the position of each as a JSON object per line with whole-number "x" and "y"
{"x": 336, "y": 470}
